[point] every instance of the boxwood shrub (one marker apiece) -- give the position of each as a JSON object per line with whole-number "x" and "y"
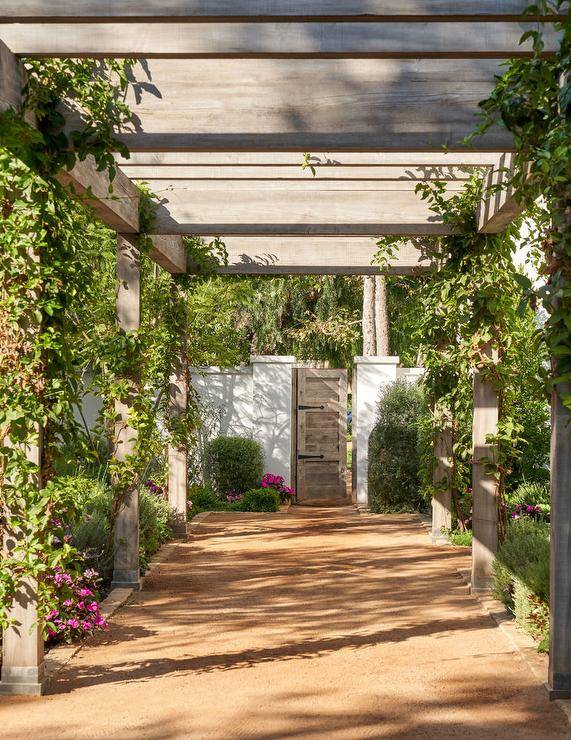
{"x": 260, "y": 499}
{"x": 234, "y": 464}
{"x": 394, "y": 450}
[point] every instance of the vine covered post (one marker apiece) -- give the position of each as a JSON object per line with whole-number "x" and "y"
{"x": 442, "y": 496}
{"x": 23, "y": 641}
{"x": 560, "y": 574}
{"x": 177, "y": 452}
{"x": 484, "y": 483}
{"x": 126, "y": 532}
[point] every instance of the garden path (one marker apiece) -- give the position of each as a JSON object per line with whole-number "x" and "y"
{"x": 311, "y": 624}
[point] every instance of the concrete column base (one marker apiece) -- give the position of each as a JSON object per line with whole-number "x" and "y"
{"x": 481, "y": 586}
{"x": 438, "y": 538}
{"x": 555, "y": 694}
{"x": 126, "y": 579}
{"x": 23, "y": 680}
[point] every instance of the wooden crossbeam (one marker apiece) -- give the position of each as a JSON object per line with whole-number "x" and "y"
{"x": 284, "y": 173}
{"x": 439, "y": 159}
{"x": 500, "y": 207}
{"x": 307, "y": 105}
{"x": 169, "y": 252}
{"x": 185, "y": 10}
{"x": 319, "y": 208}
{"x": 255, "y": 255}
{"x": 496, "y": 39}
{"x": 116, "y": 203}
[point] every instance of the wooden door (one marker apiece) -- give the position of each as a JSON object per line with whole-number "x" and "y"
{"x": 321, "y": 436}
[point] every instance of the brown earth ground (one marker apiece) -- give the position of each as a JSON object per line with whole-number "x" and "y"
{"x": 311, "y": 624}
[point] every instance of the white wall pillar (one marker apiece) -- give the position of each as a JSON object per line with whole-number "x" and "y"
{"x": 23, "y": 643}
{"x": 126, "y": 572}
{"x": 272, "y": 403}
{"x": 178, "y": 454}
{"x": 371, "y": 375}
{"x": 484, "y": 486}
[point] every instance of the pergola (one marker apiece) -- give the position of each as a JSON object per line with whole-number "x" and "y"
{"x": 227, "y": 96}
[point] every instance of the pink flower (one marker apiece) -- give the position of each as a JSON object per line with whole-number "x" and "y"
{"x": 93, "y": 607}
{"x": 67, "y": 603}
{"x": 86, "y": 625}
{"x": 85, "y": 592}
{"x": 73, "y": 623}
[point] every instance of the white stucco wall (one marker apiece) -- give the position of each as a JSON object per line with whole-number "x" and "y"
{"x": 230, "y": 392}
{"x": 253, "y": 402}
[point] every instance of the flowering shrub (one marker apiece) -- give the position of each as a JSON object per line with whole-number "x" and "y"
{"x": 533, "y": 511}
{"x": 77, "y": 613}
{"x": 232, "y": 497}
{"x": 154, "y": 488}
{"x": 277, "y": 483}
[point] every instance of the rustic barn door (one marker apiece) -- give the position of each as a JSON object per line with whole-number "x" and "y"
{"x": 321, "y": 439}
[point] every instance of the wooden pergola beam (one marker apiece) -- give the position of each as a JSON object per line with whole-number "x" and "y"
{"x": 331, "y": 159}
{"x": 116, "y": 203}
{"x": 255, "y": 255}
{"x": 188, "y": 10}
{"x": 500, "y": 207}
{"x": 310, "y": 104}
{"x": 441, "y": 39}
{"x": 294, "y": 208}
{"x": 284, "y": 173}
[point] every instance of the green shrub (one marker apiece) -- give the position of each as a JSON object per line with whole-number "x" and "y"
{"x": 155, "y": 525}
{"x": 459, "y": 538}
{"x": 202, "y": 498}
{"x": 91, "y": 535}
{"x": 259, "y": 499}
{"x": 234, "y": 464}
{"x": 536, "y": 494}
{"x": 521, "y": 575}
{"x": 394, "y": 458}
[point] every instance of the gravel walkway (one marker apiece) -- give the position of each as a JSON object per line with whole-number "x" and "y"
{"x": 311, "y": 624}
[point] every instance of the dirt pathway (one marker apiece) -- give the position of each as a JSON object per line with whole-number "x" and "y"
{"x": 314, "y": 624}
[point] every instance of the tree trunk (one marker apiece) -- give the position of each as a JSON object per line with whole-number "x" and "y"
{"x": 381, "y": 317}
{"x": 369, "y": 335}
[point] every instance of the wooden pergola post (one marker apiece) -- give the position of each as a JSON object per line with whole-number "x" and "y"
{"x": 23, "y": 641}
{"x": 560, "y": 573}
{"x": 126, "y": 539}
{"x": 442, "y": 499}
{"x": 178, "y": 454}
{"x": 484, "y": 485}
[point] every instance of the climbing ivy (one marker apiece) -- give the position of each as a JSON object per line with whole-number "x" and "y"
{"x": 532, "y": 99}
{"x": 470, "y": 322}
{"x": 45, "y": 270}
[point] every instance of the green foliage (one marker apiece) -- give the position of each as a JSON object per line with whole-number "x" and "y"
{"x": 234, "y": 464}
{"x": 394, "y": 483}
{"x": 521, "y": 575}
{"x": 92, "y": 532}
{"x": 536, "y": 494}
{"x": 202, "y": 498}
{"x": 532, "y": 99}
{"x": 155, "y": 525}
{"x": 459, "y": 538}
{"x": 259, "y": 499}
{"x": 472, "y": 320}
{"x": 45, "y": 271}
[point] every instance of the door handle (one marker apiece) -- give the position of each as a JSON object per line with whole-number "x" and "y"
{"x": 304, "y": 408}
{"x": 310, "y": 457}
